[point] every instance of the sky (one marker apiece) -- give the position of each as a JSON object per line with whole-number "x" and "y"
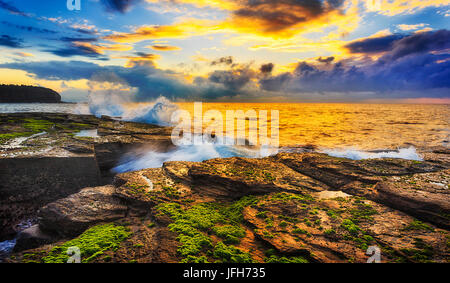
{"x": 230, "y": 50}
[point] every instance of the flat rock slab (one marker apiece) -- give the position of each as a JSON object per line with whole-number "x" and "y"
{"x": 74, "y": 214}
{"x": 430, "y": 206}
{"x": 144, "y": 189}
{"x": 335, "y": 172}
{"x": 338, "y": 172}
{"x": 233, "y": 178}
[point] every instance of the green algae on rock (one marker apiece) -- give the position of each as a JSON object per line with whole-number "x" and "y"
{"x": 92, "y": 243}
{"x": 194, "y": 226}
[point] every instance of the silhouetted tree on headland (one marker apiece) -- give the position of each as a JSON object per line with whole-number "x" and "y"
{"x": 27, "y": 94}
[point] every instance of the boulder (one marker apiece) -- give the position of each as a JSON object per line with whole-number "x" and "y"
{"x": 74, "y": 214}
{"x": 31, "y": 238}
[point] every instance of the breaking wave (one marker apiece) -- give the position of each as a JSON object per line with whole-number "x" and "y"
{"x": 194, "y": 153}
{"x": 409, "y": 153}
{"x": 158, "y": 112}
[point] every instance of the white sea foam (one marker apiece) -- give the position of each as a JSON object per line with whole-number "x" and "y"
{"x": 409, "y": 153}
{"x": 6, "y": 247}
{"x": 158, "y": 112}
{"x": 194, "y": 153}
{"x": 17, "y": 142}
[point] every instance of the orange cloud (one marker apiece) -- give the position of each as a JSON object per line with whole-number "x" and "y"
{"x": 178, "y": 30}
{"x": 100, "y": 48}
{"x": 141, "y": 59}
{"x": 411, "y": 27}
{"x": 424, "y": 30}
{"x": 23, "y": 54}
{"x": 116, "y": 47}
{"x": 272, "y": 19}
{"x": 283, "y": 18}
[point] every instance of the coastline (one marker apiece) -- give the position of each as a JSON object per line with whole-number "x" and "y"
{"x": 298, "y": 206}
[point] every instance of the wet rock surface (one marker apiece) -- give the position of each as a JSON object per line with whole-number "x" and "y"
{"x": 415, "y": 187}
{"x": 274, "y": 210}
{"x": 291, "y": 207}
{"x": 43, "y": 158}
{"x": 93, "y": 205}
{"x": 26, "y": 184}
{"x": 33, "y": 237}
{"x": 236, "y": 177}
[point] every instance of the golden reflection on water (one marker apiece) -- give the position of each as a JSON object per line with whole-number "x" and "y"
{"x": 362, "y": 126}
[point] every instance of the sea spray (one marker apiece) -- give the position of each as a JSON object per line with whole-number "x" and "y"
{"x": 191, "y": 152}
{"x": 107, "y": 103}
{"x": 409, "y": 153}
{"x": 106, "y": 107}
{"x": 158, "y": 112}
{"x": 161, "y": 112}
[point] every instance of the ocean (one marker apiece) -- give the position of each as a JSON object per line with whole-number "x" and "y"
{"x": 365, "y": 127}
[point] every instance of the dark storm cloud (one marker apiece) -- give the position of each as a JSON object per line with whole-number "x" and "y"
{"x": 278, "y": 15}
{"x": 149, "y": 81}
{"x": 77, "y": 46}
{"x": 374, "y": 45}
{"x": 266, "y": 68}
{"x": 326, "y": 60}
{"x": 417, "y": 62}
{"x": 120, "y": 6}
{"x": 402, "y": 45}
{"x": 9, "y": 41}
{"x": 275, "y": 83}
{"x": 11, "y": 8}
{"x": 78, "y": 39}
{"x": 85, "y": 31}
{"x": 76, "y": 50}
{"x": 420, "y": 43}
{"x": 145, "y": 55}
{"x": 226, "y": 82}
{"x": 223, "y": 60}
{"x": 416, "y": 72}
{"x": 233, "y": 79}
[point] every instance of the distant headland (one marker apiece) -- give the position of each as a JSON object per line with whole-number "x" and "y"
{"x": 27, "y": 94}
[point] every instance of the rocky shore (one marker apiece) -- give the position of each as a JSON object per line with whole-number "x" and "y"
{"x": 291, "y": 207}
